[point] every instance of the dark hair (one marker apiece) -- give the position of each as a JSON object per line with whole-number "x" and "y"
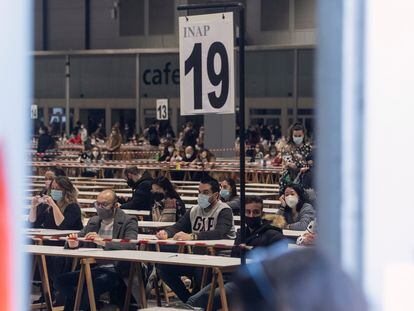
{"x": 131, "y": 170}
{"x": 301, "y": 195}
{"x": 215, "y": 186}
{"x": 297, "y": 280}
{"x": 209, "y": 155}
{"x": 296, "y": 127}
{"x": 253, "y": 199}
{"x": 57, "y": 170}
{"x": 70, "y": 194}
{"x": 233, "y": 186}
{"x": 166, "y": 184}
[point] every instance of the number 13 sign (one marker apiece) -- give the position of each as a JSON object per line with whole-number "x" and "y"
{"x": 206, "y": 64}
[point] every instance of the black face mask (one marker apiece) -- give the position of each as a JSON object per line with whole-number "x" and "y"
{"x": 158, "y": 196}
{"x": 253, "y": 222}
{"x": 131, "y": 183}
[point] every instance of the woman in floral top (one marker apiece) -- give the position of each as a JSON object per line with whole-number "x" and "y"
{"x": 297, "y": 157}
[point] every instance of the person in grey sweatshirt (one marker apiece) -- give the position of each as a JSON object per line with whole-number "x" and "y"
{"x": 297, "y": 211}
{"x": 211, "y": 219}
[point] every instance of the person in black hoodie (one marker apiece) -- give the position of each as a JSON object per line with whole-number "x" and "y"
{"x": 141, "y": 187}
{"x": 259, "y": 233}
{"x": 45, "y": 144}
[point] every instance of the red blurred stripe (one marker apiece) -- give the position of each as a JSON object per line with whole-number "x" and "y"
{"x": 6, "y": 263}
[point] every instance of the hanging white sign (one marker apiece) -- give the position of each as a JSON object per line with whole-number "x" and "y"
{"x": 206, "y": 64}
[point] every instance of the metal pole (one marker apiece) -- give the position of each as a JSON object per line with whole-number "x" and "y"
{"x": 238, "y": 6}
{"x": 67, "y": 94}
{"x": 137, "y": 93}
{"x": 242, "y": 131}
{"x": 295, "y": 84}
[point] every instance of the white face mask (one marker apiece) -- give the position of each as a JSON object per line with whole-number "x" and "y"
{"x": 298, "y": 140}
{"x": 188, "y": 155}
{"x": 95, "y": 154}
{"x": 170, "y": 150}
{"x": 292, "y": 201}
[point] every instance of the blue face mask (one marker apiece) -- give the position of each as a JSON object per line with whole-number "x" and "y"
{"x": 56, "y": 195}
{"x": 225, "y": 194}
{"x": 203, "y": 201}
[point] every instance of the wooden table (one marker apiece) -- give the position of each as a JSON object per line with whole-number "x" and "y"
{"x": 88, "y": 256}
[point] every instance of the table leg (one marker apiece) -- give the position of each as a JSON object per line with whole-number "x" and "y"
{"x": 223, "y": 297}
{"x": 204, "y": 277}
{"x": 74, "y": 264}
{"x": 89, "y": 285}
{"x": 141, "y": 286}
{"x": 45, "y": 281}
{"x": 212, "y": 291}
{"x": 129, "y": 287}
{"x": 80, "y": 287}
{"x": 157, "y": 289}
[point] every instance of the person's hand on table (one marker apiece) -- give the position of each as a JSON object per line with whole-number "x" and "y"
{"x": 182, "y": 236}
{"x": 72, "y": 243}
{"x": 162, "y": 235}
{"x": 96, "y": 238}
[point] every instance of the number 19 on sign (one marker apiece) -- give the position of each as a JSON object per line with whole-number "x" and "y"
{"x": 207, "y": 64}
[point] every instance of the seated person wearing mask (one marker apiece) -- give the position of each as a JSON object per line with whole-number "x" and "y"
{"x": 296, "y": 210}
{"x": 59, "y": 209}
{"x": 228, "y": 194}
{"x": 259, "y": 233}
{"x": 189, "y": 155}
{"x": 51, "y": 174}
{"x": 168, "y": 205}
{"x": 141, "y": 186}
{"x": 111, "y": 222}
{"x": 211, "y": 219}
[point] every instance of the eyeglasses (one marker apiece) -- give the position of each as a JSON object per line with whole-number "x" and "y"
{"x": 103, "y": 204}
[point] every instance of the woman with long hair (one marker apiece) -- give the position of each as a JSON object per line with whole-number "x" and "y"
{"x": 58, "y": 209}
{"x": 168, "y": 205}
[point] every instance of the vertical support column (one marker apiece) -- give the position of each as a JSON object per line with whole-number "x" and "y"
{"x": 137, "y": 94}
{"x": 87, "y": 24}
{"x": 295, "y": 85}
{"x": 45, "y": 25}
{"x": 242, "y": 129}
{"x": 67, "y": 93}
{"x": 221, "y": 129}
{"x": 108, "y": 119}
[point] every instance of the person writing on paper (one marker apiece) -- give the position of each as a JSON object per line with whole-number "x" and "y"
{"x": 211, "y": 219}
{"x": 59, "y": 209}
{"x": 259, "y": 233}
{"x": 110, "y": 223}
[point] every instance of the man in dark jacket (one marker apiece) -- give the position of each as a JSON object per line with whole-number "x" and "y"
{"x": 141, "y": 187}
{"x": 259, "y": 233}
{"x": 111, "y": 222}
{"x": 190, "y": 135}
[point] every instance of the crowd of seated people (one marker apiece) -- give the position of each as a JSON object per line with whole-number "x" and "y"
{"x": 210, "y": 219}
